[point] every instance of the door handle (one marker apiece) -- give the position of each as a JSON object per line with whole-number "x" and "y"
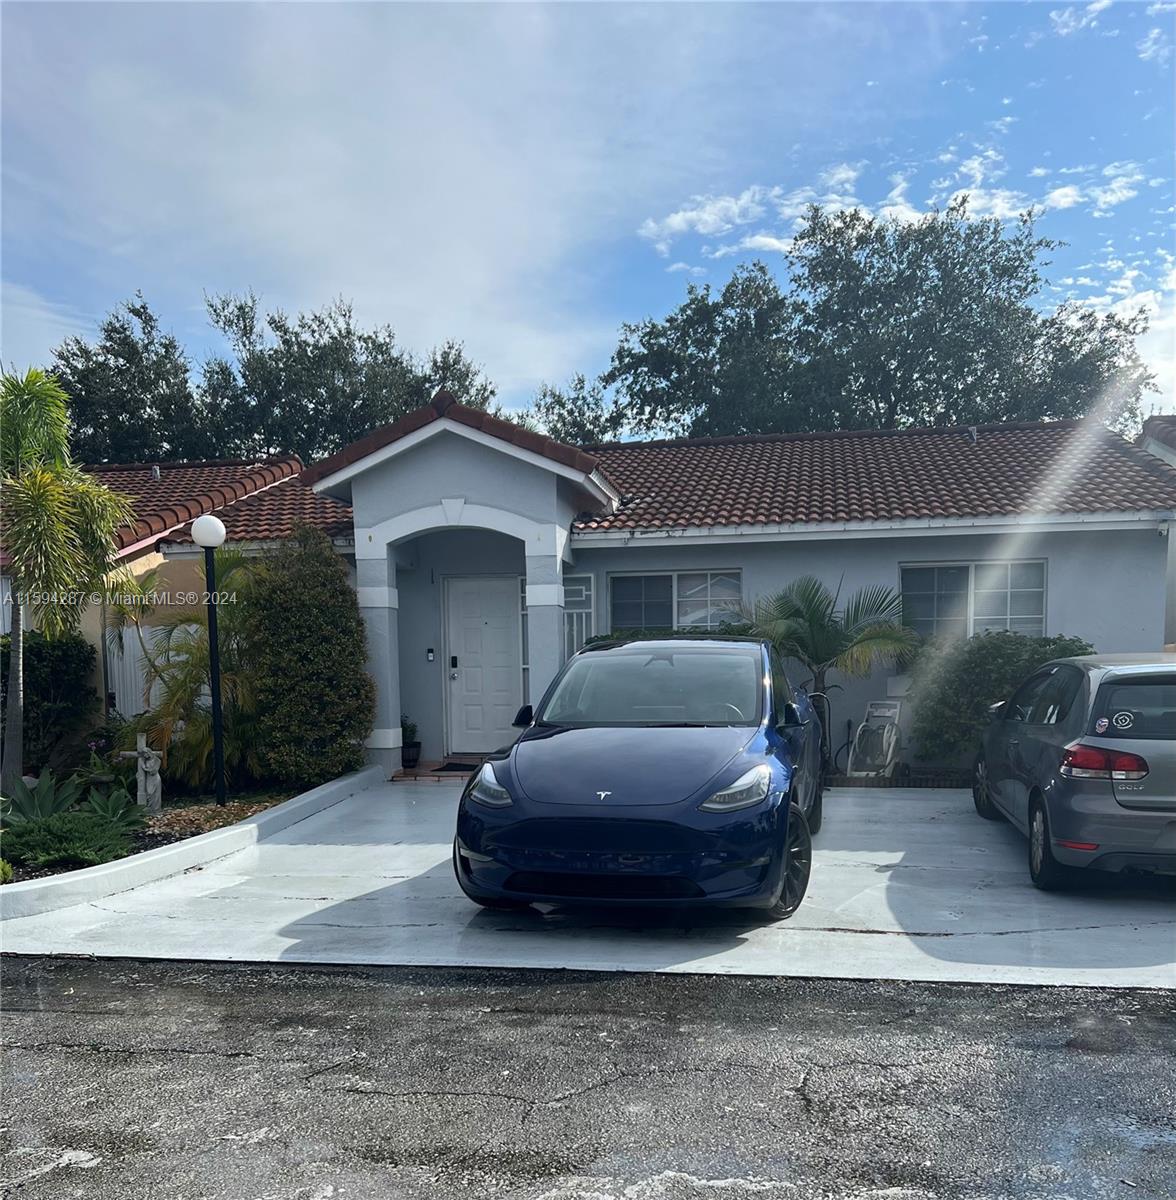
{"x": 452, "y": 674}
{"x": 1014, "y": 741}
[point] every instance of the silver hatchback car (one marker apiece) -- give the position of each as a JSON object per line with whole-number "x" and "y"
{"x": 1082, "y": 760}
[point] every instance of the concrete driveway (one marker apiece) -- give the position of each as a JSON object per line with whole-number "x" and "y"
{"x": 906, "y": 884}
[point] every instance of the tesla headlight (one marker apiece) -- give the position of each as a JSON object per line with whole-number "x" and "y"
{"x": 488, "y": 791}
{"x": 750, "y": 788}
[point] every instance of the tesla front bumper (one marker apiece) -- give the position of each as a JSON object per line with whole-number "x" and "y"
{"x": 735, "y": 859}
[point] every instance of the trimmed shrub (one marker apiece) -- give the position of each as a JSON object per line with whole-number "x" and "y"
{"x": 315, "y": 700}
{"x": 954, "y": 684}
{"x": 70, "y": 839}
{"x": 58, "y": 696}
{"x": 5, "y": 871}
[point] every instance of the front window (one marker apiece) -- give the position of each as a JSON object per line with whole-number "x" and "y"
{"x": 685, "y": 685}
{"x": 960, "y": 599}
{"x": 694, "y": 600}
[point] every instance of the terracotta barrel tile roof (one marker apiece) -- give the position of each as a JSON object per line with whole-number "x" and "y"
{"x": 1001, "y": 470}
{"x": 184, "y": 490}
{"x": 271, "y": 515}
{"x": 1162, "y": 428}
{"x": 444, "y": 405}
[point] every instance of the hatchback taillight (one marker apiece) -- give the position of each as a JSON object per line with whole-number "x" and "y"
{"x": 1097, "y": 762}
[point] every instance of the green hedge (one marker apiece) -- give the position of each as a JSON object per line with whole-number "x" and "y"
{"x": 315, "y": 700}
{"x": 954, "y": 685}
{"x": 59, "y": 699}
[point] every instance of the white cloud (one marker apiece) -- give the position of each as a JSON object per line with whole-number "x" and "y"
{"x": 1002, "y": 203}
{"x": 1039, "y": 172}
{"x": 756, "y": 243}
{"x": 710, "y": 216}
{"x": 1071, "y": 20}
{"x": 1155, "y": 47}
{"x": 981, "y": 168}
{"x": 1123, "y": 180}
{"x": 34, "y": 326}
{"x": 843, "y": 175}
{"x": 685, "y": 267}
{"x": 897, "y": 207}
{"x": 1064, "y": 197}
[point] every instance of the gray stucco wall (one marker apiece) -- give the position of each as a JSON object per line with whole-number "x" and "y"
{"x": 1107, "y": 587}
{"x": 450, "y": 465}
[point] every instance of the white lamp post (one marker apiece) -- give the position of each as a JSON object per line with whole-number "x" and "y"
{"x": 209, "y": 532}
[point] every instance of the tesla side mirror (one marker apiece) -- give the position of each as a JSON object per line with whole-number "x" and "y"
{"x": 790, "y": 715}
{"x": 524, "y": 717}
{"x": 996, "y": 711}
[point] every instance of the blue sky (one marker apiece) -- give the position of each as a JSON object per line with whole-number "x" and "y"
{"x": 527, "y": 177}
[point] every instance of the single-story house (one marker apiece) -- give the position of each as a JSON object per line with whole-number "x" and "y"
{"x": 259, "y": 502}
{"x": 486, "y": 553}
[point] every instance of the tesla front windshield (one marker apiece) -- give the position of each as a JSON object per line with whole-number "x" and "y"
{"x": 662, "y": 686}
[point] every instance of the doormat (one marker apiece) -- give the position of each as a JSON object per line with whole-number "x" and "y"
{"x": 456, "y": 768}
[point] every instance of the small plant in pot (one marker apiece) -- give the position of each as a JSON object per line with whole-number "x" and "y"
{"x": 410, "y": 748}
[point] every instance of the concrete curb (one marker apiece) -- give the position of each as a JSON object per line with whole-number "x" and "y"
{"x": 93, "y": 883}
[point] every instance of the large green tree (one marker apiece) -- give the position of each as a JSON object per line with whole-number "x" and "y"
{"x": 129, "y": 392}
{"x": 579, "y": 414}
{"x": 879, "y": 323}
{"x": 309, "y": 383}
{"x": 59, "y": 531}
{"x": 943, "y": 321}
{"x": 315, "y": 382}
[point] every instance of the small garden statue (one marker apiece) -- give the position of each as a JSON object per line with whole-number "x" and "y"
{"x": 149, "y": 788}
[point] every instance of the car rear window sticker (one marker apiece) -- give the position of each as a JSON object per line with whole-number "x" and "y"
{"x": 1100, "y": 726}
{"x": 1123, "y": 720}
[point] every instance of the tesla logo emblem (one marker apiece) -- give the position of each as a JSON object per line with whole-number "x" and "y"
{"x": 602, "y": 795}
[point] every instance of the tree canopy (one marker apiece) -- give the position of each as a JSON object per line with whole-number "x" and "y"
{"x": 879, "y": 324}
{"x": 130, "y": 398}
{"x": 309, "y": 383}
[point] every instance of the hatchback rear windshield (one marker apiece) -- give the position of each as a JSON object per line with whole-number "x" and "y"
{"x": 1137, "y": 708}
{"x": 659, "y": 687}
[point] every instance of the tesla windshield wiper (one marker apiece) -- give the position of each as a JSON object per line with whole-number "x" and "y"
{"x": 687, "y": 725}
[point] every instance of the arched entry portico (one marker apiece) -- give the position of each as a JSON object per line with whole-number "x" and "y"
{"x": 464, "y": 610}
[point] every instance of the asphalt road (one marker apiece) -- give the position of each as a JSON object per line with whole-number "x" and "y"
{"x": 127, "y": 1079}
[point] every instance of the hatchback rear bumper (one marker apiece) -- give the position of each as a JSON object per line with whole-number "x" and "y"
{"x": 1125, "y": 839}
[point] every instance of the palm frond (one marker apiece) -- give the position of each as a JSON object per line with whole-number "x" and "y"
{"x": 874, "y": 645}
{"x": 34, "y": 422}
{"x": 871, "y": 606}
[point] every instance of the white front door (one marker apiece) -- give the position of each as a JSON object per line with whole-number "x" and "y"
{"x": 483, "y": 673}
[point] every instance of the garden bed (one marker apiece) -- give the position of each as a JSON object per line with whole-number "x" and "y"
{"x": 180, "y": 819}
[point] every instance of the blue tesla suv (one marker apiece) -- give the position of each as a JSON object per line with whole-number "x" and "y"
{"x": 683, "y": 771}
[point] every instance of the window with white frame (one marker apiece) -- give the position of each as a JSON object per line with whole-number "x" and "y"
{"x": 960, "y": 599}
{"x": 696, "y": 600}
{"x": 577, "y": 597}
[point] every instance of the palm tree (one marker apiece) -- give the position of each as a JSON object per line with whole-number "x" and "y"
{"x": 59, "y": 531}
{"x": 803, "y": 623}
{"x": 179, "y": 722}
